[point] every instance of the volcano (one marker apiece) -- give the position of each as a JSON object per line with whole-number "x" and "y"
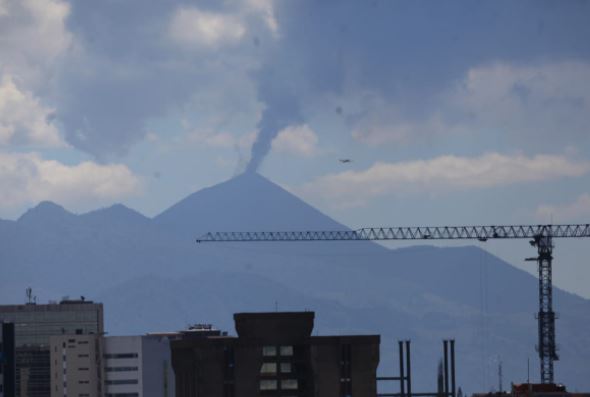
{"x": 152, "y": 276}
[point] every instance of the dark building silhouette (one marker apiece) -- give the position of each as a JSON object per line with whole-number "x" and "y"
{"x": 7, "y": 360}
{"x": 275, "y": 355}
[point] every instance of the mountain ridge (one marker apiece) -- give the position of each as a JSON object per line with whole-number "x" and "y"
{"x": 423, "y": 292}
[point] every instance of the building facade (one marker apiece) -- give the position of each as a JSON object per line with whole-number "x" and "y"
{"x": 7, "y": 360}
{"x": 76, "y": 366}
{"x": 34, "y": 324}
{"x": 137, "y": 366}
{"x": 275, "y": 355}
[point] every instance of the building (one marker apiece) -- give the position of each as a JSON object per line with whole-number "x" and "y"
{"x": 76, "y": 365}
{"x": 275, "y": 354}
{"x": 34, "y": 324}
{"x": 7, "y": 360}
{"x": 137, "y": 366}
{"x": 534, "y": 390}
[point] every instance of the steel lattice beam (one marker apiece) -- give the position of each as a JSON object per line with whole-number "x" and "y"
{"x": 481, "y": 233}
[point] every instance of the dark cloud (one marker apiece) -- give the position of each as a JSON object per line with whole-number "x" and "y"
{"x": 129, "y": 71}
{"x": 407, "y": 51}
{"x": 402, "y": 51}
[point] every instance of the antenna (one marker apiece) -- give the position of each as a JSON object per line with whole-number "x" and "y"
{"x": 528, "y": 370}
{"x": 500, "y": 388}
{"x": 29, "y": 294}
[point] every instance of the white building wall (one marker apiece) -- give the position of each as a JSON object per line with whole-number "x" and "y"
{"x": 138, "y": 366}
{"x": 122, "y": 366}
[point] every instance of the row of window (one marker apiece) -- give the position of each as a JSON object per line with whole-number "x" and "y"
{"x": 120, "y": 369}
{"x": 122, "y": 382}
{"x": 271, "y": 368}
{"x": 271, "y": 351}
{"x": 121, "y": 355}
{"x": 272, "y": 384}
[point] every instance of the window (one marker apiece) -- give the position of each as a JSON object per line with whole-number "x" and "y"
{"x": 120, "y": 369}
{"x": 82, "y": 355}
{"x": 286, "y": 350}
{"x": 121, "y": 355}
{"x": 83, "y": 382}
{"x": 122, "y": 382}
{"x": 289, "y": 384}
{"x": 268, "y": 368}
{"x": 83, "y": 369}
{"x": 268, "y": 384}
{"x": 269, "y": 351}
{"x": 82, "y": 342}
{"x": 286, "y": 368}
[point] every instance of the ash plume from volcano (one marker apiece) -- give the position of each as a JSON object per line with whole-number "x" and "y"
{"x": 282, "y": 110}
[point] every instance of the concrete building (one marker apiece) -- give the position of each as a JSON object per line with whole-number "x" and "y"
{"x": 274, "y": 354}
{"x": 137, "y": 366}
{"x": 7, "y": 360}
{"x": 34, "y": 324}
{"x": 76, "y": 366}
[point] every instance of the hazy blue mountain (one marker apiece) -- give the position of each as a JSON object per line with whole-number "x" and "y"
{"x": 152, "y": 276}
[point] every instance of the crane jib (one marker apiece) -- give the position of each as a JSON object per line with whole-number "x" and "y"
{"x": 481, "y": 233}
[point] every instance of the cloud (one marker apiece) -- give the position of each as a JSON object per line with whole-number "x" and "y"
{"x": 220, "y": 139}
{"x": 522, "y": 104}
{"x": 23, "y": 119}
{"x": 266, "y": 10}
{"x": 34, "y": 36}
{"x": 110, "y": 68}
{"x": 193, "y": 27}
{"x": 352, "y": 55}
{"x": 441, "y": 174}
{"x": 27, "y": 178}
{"x": 299, "y": 140}
{"x": 576, "y": 211}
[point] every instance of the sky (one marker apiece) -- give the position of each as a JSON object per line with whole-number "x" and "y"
{"x": 452, "y": 113}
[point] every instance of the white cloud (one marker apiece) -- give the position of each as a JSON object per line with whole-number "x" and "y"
{"x": 3, "y": 8}
{"x": 441, "y": 174}
{"x": 34, "y": 35}
{"x": 576, "y": 211}
{"x": 520, "y": 102}
{"x": 298, "y": 140}
{"x": 265, "y": 9}
{"x": 196, "y": 28}
{"x": 23, "y": 119}
{"x": 27, "y": 178}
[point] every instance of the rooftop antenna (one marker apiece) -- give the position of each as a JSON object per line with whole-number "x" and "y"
{"x": 29, "y": 294}
{"x": 528, "y": 370}
{"x": 500, "y": 388}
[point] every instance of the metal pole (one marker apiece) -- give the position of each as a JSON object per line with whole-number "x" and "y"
{"x": 453, "y": 384}
{"x": 446, "y": 367}
{"x": 402, "y": 379}
{"x": 408, "y": 369}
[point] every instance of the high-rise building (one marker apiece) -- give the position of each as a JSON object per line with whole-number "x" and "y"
{"x": 137, "y": 366}
{"x": 34, "y": 324}
{"x": 275, "y": 354}
{"x": 76, "y": 365}
{"x": 7, "y": 360}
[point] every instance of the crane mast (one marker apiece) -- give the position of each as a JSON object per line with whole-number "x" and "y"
{"x": 541, "y": 237}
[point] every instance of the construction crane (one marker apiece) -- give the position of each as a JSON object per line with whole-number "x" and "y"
{"x": 541, "y": 237}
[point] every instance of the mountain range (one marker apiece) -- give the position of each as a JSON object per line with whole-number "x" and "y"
{"x": 152, "y": 276}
